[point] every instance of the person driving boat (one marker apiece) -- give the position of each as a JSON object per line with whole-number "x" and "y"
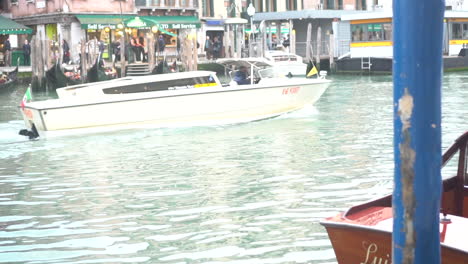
{"x": 241, "y": 76}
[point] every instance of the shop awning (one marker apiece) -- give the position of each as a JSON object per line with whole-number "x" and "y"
{"x": 146, "y": 23}
{"x": 8, "y": 26}
{"x": 176, "y": 22}
{"x": 102, "y": 21}
{"x": 140, "y": 22}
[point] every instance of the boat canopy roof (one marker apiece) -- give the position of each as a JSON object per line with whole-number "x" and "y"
{"x": 247, "y": 62}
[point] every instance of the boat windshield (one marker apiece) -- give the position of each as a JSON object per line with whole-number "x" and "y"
{"x": 280, "y": 71}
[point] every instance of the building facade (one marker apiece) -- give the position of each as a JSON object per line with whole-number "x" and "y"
{"x": 78, "y": 20}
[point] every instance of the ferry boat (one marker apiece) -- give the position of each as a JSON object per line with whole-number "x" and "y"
{"x": 167, "y": 100}
{"x": 370, "y": 41}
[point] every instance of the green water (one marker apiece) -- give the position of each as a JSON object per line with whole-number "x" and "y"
{"x": 248, "y": 193}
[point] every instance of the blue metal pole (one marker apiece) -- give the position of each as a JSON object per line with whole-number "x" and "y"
{"x": 417, "y": 79}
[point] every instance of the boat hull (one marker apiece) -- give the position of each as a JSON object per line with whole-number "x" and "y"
{"x": 358, "y": 244}
{"x": 201, "y": 106}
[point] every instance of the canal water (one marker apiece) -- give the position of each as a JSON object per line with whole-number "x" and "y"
{"x": 245, "y": 194}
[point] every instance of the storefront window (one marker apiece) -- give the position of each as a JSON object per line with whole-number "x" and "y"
{"x": 465, "y": 30}
{"x": 358, "y": 33}
{"x": 374, "y": 32}
{"x": 371, "y": 32}
{"x": 387, "y": 30}
{"x": 456, "y": 31}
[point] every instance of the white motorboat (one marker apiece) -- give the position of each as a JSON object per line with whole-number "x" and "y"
{"x": 287, "y": 63}
{"x": 166, "y": 100}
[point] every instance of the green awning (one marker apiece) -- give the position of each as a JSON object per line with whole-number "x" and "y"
{"x": 167, "y": 32}
{"x": 8, "y": 26}
{"x": 140, "y": 22}
{"x": 176, "y": 22}
{"x": 164, "y": 22}
{"x": 102, "y": 21}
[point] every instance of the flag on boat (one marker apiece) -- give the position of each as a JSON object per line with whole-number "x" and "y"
{"x": 27, "y": 97}
{"x": 312, "y": 72}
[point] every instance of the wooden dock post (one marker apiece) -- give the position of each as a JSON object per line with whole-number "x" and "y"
{"x": 83, "y": 61}
{"x": 319, "y": 46}
{"x": 123, "y": 64}
{"x": 309, "y": 51}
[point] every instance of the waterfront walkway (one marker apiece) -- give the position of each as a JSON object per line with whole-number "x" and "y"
{"x": 29, "y": 69}
{"x": 20, "y": 69}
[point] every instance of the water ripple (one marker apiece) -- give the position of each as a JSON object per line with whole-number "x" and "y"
{"x": 242, "y": 194}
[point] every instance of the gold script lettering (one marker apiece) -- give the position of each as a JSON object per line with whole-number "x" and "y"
{"x": 372, "y": 259}
{"x": 372, "y": 248}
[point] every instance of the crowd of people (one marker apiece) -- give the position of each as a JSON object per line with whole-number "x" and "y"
{"x": 138, "y": 48}
{"x": 213, "y": 47}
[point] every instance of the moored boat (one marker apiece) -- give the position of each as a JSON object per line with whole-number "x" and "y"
{"x": 166, "y": 100}
{"x": 56, "y": 78}
{"x": 363, "y": 234}
{"x": 289, "y": 63}
{"x": 7, "y": 79}
{"x": 99, "y": 73}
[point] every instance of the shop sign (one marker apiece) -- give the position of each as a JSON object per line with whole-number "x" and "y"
{"x": 178, "y": 26}
{"x": 214, "y": 22}
{"x": 40, "y": 4}
{"x": 100, "y": 26}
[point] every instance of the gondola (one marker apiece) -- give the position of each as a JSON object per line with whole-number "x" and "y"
{"x": 163, "y": 67}
{"x": 56, "y": 78}
{"x": 97, "y": 73}
{"x": 11, "y": 78}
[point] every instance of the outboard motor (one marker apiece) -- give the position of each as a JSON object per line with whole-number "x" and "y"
{"x": 31, "y": 134}
{"x": 322, "y": 74}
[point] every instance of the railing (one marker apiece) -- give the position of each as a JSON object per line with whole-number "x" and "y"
{"x": 301, "y": 48}
{"x": 177, "y": 4}
{"x": 343, "y": 48}
{"x": 461, "y": 190}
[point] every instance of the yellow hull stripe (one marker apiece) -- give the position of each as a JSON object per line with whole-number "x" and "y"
{"x": 371, "y": 21}
{"x": 371, "y": 44}
{"x": 458, "y": 41}
{"x": 199, "y": 85}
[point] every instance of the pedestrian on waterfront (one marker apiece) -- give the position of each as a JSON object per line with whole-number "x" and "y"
{"x": 141, "y": 47}
{"x": 116, "y": 50}
{"x": 217, "y": 45}
{"x": 26, "y": 52}
{"x": 135, "y": 48}
{"x": 208, "y": 47}
{"x": 7, "y": 51}
{"x": 161, "y": 43}
{"x": 66, "y": 51}
{"x": 101, "y": 47}
{"x": 286, "y": 42}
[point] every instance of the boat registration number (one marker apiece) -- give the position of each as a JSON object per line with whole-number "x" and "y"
{"x": 291, "y": 90}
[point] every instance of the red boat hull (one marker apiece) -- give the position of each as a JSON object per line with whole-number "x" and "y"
{"x": 358, "y": 245}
